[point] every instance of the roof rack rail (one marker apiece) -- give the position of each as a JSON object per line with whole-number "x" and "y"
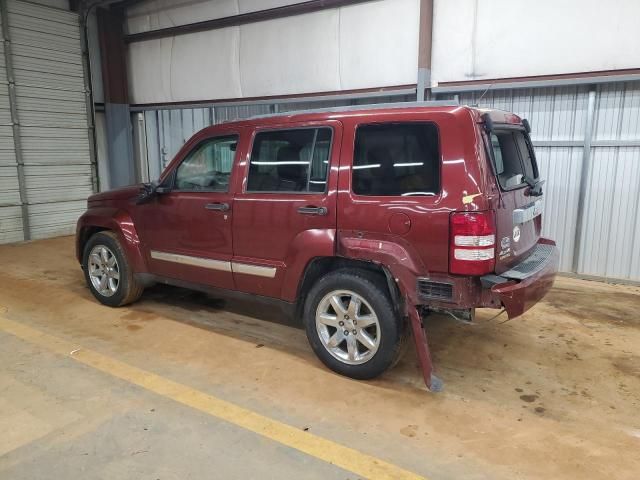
{"x": 366, "y": 106}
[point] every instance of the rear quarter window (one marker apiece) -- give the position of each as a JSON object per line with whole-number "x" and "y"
{"x": 396, "y": 159}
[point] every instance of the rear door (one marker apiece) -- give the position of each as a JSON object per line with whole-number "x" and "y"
{"x": 286, "y": 212}
{"x": 519, "y": 216}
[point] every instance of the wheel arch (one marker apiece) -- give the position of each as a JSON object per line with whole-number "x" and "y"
{"x": 116, "y": 221}
{"x": 319, "y": 266}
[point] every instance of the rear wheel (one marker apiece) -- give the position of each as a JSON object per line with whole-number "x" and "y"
{"x": 351, "y": 324}
{"x": 107, "y": 271}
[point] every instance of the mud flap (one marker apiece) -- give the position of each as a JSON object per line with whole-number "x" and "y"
{"x": 433, "y": 383}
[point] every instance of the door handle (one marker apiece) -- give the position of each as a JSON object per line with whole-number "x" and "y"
{"x": 222, "y": 207}
{"x": 313, "y": 210}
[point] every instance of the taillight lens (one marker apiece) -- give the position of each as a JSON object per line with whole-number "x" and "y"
{"x": 472, "y": 245}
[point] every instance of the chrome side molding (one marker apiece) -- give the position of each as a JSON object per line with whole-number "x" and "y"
{"x": 221, "y": 265}
{"x": 258, "y": 271}
{"x": 193, "y": 261}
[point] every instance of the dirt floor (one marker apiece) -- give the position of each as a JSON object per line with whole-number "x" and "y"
{"x": 554, "y": 394}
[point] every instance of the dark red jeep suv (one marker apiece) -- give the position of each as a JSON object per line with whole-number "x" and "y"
{"x": 357, "y": 221}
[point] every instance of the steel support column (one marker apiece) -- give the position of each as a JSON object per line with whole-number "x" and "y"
{"x": 116, "y": 97}
{"x": 424, "y": 48}
{"x": 584, "y": 176}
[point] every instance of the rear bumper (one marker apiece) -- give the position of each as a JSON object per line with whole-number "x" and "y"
{"x": 527, "y": 283}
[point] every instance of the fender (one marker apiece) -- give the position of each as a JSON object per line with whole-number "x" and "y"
{"x": 306, "y": 245}
{"x": 405, "y": 266}
{"x": 390, "y": 252}
{"x": 118, "y": 221}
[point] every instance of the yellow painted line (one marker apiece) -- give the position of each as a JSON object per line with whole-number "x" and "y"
{"x": 344, "y": 457}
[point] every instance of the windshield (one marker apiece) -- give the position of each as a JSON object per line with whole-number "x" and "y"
{"x": 513, "y": 158}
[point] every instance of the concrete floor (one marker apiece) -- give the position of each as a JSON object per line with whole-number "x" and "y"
{"x": 554, "y": 394}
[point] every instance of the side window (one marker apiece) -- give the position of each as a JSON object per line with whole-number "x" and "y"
{"x": 396, "y": 159}
{"x": 208, "y": 166}
{"x": 290, "y": 160}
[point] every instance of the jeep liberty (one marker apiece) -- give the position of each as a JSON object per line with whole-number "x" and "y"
{"x": 358, "y": 221}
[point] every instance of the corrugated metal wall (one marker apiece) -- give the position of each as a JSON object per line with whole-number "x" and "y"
{"x": 52, "y": 124}
{"x": 610, "y": 234}
{"x": 10, "y": 210}
{"x": 612, "y": 220}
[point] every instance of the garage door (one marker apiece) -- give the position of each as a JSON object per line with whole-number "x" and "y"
{"x": 53, "y": 135}
{"x": 10, "y": 211}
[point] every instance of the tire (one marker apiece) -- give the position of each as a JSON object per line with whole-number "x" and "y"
{"x": 120, "y": 287}
{"x": 331, "y": 346}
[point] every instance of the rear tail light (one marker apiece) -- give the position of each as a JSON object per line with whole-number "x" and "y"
{"x": 472, "y": 246}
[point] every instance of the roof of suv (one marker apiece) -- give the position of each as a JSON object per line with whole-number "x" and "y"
{"x": 498, "y": 116}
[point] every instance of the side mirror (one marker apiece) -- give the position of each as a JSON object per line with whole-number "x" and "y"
{"x": 526, "y": 125}
{"x": 149, "y": 190}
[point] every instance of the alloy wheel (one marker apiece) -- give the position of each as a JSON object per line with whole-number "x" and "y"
{"x": 104, "y": 271}
{"x": 348, "y": 327}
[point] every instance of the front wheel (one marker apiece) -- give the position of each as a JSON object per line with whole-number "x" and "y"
{"x": 352, "y": 325}
{"x": 107, "y": 271}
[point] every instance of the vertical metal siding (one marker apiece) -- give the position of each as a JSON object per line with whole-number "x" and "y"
{"x": 611, "y": 240}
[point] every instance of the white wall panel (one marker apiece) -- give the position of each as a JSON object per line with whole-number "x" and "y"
{"x": 156, "y": 14}
{"x": 291, "y": 55}
{"x": 379, "y": 44}
{"x": 370, "y": 45}
{"x": 189, "y": 67}
{"x": 216, "y": 57}
{"x": 476, "y": 39}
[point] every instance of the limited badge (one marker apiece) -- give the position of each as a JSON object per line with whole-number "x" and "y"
{"x": 516, "y": 233}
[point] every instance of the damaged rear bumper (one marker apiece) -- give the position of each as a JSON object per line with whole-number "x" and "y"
{"x": 528, "y": 282}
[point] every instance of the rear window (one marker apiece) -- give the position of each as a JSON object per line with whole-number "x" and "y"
{"x": 398, "y": 159}
{"x": 513, "y": 158}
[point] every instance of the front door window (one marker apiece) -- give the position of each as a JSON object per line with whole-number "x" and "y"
{"x": 208, "y": 166}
